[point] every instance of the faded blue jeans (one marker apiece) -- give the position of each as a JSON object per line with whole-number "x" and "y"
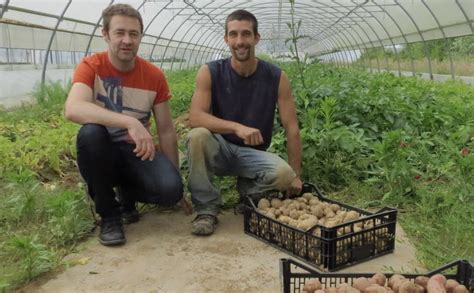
{"x": 209, "y": 154}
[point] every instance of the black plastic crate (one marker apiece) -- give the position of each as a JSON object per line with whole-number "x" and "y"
{"x": 293, "y": 275}
{"x": 321, "y": 246}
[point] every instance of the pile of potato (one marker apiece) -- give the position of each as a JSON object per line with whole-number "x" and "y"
{"x": 307, "y": 211}
{"x": 379, "y": 284}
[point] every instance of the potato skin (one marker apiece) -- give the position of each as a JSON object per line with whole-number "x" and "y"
{"x": 460, "y": 289}
{"x": 379, "y": 279}
{"x": 312, "y": 285}
{"x": 361, "y": 283}
{"x": 450, "y": 285}
{"x": 422, "y": 281}
{"x": 374, "y": 288}
{"x": 393, "y": 279}
{"x": 407, "y": 286}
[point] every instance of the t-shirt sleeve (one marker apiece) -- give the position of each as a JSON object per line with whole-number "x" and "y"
{"x": 163, "y": 93}
{"x": 84, "y": 74}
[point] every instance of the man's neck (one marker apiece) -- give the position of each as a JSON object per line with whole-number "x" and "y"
{"x": 119, "y": 65}
{"x": 245, "y": 68}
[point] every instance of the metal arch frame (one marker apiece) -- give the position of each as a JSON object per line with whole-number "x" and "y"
{"x": 377, "y": 36}
{"x": 178, "y": 29}
{"x": 388, "y": 37}
{"x": 264, "y": 8}
{"x": 228, "y": 9}
{"x": 164, "y": 28}
{"x": 444, "y": 37}
{"x": 94, "y": 30}
{"x": 402, "y": 35}
{"x": 4, "y": 8}
{"x": 45, "y": 65}
{"x": 342, "y": 31}
{"x": 186, "y": 48}
{"x": 357, "y": 23}
{"x": 161, "y": 32}
{"x": 465, "y": 15}
{"x": 421, "y": 36}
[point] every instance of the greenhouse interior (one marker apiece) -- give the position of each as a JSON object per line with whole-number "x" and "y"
{"x": 383, "y": 97}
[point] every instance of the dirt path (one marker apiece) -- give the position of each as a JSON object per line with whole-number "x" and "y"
{"x": 162, "y": 256}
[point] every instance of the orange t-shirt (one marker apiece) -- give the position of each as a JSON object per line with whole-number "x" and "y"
{"x": 132, "y": 93}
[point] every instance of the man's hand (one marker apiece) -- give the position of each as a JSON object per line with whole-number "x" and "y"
{"x": 186, "y": 206}
{"x": 251, "y": 136}
{"x": 295, "y": 187}
{"x": 145, "y": 148}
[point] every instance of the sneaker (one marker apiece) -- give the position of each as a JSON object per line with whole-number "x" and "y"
{"x": 204, "y": 225}
{"x": 111, "y": 232}
{"x": 130, "y": 216}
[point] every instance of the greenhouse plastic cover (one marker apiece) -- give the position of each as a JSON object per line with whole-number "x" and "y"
{"x": 177, "y": 28}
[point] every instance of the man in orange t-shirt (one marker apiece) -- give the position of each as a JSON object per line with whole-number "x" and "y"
{"x": 112, "y": 96}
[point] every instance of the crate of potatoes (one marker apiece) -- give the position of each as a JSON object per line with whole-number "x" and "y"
{"x": 457, "y": 277}
{"x": 325, "y": 233}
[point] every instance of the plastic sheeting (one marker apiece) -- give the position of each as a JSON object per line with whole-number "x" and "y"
{"x": 191, "y": 31}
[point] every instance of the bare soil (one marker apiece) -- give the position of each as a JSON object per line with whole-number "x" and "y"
{"x": 161, "y": 255}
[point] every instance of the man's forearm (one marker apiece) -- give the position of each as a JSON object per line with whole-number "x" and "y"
{"x": 294, "y": 149}
{"x": 87, "y": 112}
{"x": 169, "y": 146}
{"x": 214, "y": 124}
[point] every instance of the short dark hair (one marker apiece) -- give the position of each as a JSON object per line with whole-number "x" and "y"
{"x": 242, "y": 14}
{"x": 120, "y": 9}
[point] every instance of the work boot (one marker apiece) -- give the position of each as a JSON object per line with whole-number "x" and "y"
{"x": 130, "y": 215}
{"x": 111, "y": 232}
{"x": 204, "y": 225}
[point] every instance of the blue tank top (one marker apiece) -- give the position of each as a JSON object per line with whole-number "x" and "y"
{"x": 250, "y": 101}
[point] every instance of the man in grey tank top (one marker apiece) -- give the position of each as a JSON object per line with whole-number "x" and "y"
{"x": 231, "y": 116}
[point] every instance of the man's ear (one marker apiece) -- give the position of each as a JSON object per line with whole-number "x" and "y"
{"x": 105, "y": 34}
{"x": 257, "y": 37}
{"x": 225, "y": 38}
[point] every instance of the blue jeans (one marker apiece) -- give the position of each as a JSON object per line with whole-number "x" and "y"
{"x": 106, "y": 165}
{"x": 209, "y": 154}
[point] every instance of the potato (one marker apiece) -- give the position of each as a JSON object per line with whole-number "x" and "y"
{"x": 329, "y": 213}
{"x": 307, "y": 195}
{"x": 306, "y": 224}
{"x": 302, "y": 199}
{"x": 436, "y": 284}
{"x": 314, "y": 201}
{"x": 450, "y": 285}
{"x": 422, "y": 281}
{"x": 263, "y": 203}
{"x": 460, "y": 289}
{"x": 293, "y": 206}
{"x": 407, "y": 286}
{"x": 394, "y": 278}
{"x": 346, "y": 288}
{"x": 330, "y": 290}
{"x": 334, "y": 207}
{"x": 275, "y": 203}
{"x": 351, "y": 216}
{"x": 317, "y": 211}
{"x": 420, "y": 289}
{"x": 312, "y": 285}
{"x": 361, "y": 283}
{"x": 284, "y": 219}
{"x": 294, "y": 214}
{"x": 378, "y": 278}
{"x": 319, "y": 291}
{"x": 374, "y": 288}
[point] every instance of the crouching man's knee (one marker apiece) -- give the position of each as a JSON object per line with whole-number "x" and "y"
{"x": 284, "y": 175}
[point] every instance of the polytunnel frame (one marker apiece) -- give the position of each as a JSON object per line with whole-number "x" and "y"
{"x": 338, "y": 44}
